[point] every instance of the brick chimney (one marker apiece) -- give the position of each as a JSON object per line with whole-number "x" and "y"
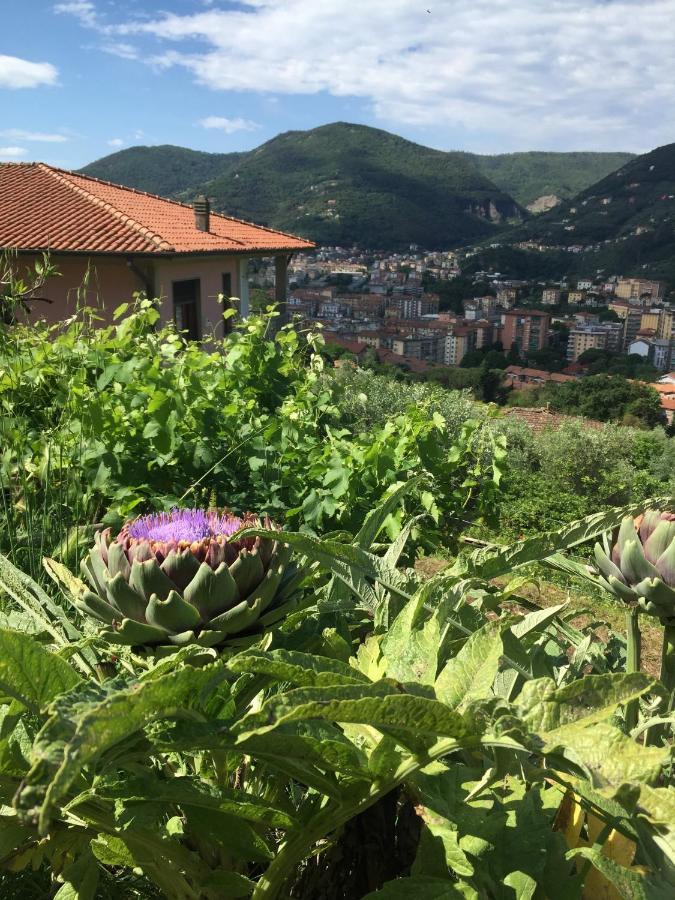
{"x": 202, "y": 209}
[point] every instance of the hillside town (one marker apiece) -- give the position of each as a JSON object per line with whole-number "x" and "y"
{"x": 390, "y": 304}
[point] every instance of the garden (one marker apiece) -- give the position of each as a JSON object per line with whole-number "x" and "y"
{"x": 274, "y": 630}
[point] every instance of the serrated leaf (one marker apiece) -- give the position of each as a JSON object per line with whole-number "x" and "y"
{"x": 471, "y": 674}
{"x": 31, "y": 674}
{"x": 382, "y": 705}
{"x": 411, "y": 652}
{"x": 629, "y": 883}
{"x": 303, "y": 669}
{"x": 544, "y": 707}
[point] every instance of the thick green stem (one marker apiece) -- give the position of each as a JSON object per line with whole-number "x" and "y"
{"x": 633, "y": 653}
{"x": 668, "y": 664}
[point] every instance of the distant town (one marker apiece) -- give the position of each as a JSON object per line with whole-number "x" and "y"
{"x": 391, "y": 304}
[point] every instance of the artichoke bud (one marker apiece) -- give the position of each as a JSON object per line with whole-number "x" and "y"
{"x": 176, "y": 578}
{"x": 637, "y": 563}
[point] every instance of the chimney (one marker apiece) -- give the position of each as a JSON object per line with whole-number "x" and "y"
{"x": 202, "y": 209}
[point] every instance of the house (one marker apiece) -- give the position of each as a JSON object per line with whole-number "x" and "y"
{"x": 109, "y": 242}
{"x": 666, "y": 392}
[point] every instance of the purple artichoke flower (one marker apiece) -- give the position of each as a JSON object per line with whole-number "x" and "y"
{"x": 178, "y": 578}
{"x": 639, "y": 566}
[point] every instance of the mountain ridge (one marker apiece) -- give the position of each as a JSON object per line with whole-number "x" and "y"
{"x": 339, "y": 183}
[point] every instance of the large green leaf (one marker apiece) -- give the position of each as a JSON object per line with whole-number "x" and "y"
{"x": 185, "y": 791}
{"x": 36, "y": 603}
{"x": 609, "y": 757}
{"x": 544, "y": 707}
{"x": 376, "y": 518}
{"x": 629, "y": 884}
{"x": 471, "y": 674}
{"x": 303, "y": 669}
{"x": 383, "y": 705}
{"x": 31, "y": 674}
{"x": 410, "y": 648}
{"x": 490, "y": 562}
{"x": 90, "y": 720}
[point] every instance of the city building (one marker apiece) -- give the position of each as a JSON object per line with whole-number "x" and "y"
{"x": 639, "y": 288}
{"x": 526, "y": 329}
{"x": 460, "y": 340}
{"x": 551, "y": 296}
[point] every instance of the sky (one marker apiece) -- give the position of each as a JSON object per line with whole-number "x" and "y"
{"x": 80, "y": 79}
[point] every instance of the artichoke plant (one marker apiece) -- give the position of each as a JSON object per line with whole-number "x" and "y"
{"x": 637, "y": 565}
{"x": 639, "y": 568}
{"x": 178, "y": 578}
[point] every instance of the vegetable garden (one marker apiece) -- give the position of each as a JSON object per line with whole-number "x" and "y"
{"x": 201, "y": 702}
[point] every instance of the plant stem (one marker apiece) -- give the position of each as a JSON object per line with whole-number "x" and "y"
{"x": 668, "y": 664}
{"x": 633, "y": 653}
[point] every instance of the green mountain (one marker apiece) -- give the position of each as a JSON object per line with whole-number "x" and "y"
{"x": 164, "y": 170}
{"x": 344, "y": 184}
{"x": 625, "y": 223}
{"x": 532, "y": 175}
{"x": 338, "y": 184}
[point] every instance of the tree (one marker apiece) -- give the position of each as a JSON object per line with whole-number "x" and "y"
{"x": 607, "y": 399}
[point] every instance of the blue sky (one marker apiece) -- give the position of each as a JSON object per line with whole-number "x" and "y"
{"x": 82, "y": 78}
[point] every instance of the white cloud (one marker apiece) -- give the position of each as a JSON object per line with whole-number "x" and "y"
{"x": 84, "y": 10}
{"x": 593, "y": 73}
{"x": 229, "y": 126}
{"x": 18, "y": 134}
{"x": 116, "y": 142}
{"x": 121, "y": 49}
{"x": 12, "y": 152}
{"x": 21, "y": 73}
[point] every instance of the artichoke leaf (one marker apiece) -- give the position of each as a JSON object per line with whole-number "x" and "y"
{"x": 212, "y": 592}
{"x": 147, "y": 579}
{"x": 118, "y": 564}
{"x": 134, "y": 633}
{"x": 247, "y": 570}
{"x": 180, "y": 566}
{"x": 634, "y": 566}
{"x": 173, "y": 614}
{"x": 121, "y": 595}
{"x": 93, "y": 605}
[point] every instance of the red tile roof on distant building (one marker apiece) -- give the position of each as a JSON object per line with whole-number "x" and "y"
{"x": 541, "y": 418}
{"x": 45, "y": 208}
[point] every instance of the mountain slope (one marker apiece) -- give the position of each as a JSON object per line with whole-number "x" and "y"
{"x": 531, "y": 175}
{"x": 625, "y": 224}
{"x": 337, "y": 184}
{"x": 164, "y": 170}
{"x": 353, "y": 184}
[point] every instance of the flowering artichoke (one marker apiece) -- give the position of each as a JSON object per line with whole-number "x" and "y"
{"x": 640, "y": 566}
{"x": 177, "y": 578}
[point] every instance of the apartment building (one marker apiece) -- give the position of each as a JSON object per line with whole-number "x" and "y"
{"x": 551, "y": 296}
{"x": 593, "y": 337}
{"x": 460, "y": 340}
{"x": 637, "y": 288}
{"x": 576, "y": 298}
{"x": 526, "y": 329}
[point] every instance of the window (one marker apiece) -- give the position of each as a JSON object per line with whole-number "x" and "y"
{"x": 186, "y": 308}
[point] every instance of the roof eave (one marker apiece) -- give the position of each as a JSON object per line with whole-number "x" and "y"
{"x": 162, "y": 254}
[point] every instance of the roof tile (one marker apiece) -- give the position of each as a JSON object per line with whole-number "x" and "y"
{"x": 44, "y": 208}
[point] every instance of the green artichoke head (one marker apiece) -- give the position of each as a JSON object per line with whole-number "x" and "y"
{"x": 637, "y": 563}
{"x": 184, "y": 577}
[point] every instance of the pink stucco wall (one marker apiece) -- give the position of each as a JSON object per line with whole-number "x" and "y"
{"x": 110, "y": 281}
{"x": 210, "y": 271}
{"x": 100, "y": 282}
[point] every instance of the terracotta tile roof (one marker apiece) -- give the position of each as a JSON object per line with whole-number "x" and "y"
{"x": 668, "y": 403}
{"x": 44, "y": 208}
{"x": 664, "y": 388}
{"x": 540, "y": 418}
